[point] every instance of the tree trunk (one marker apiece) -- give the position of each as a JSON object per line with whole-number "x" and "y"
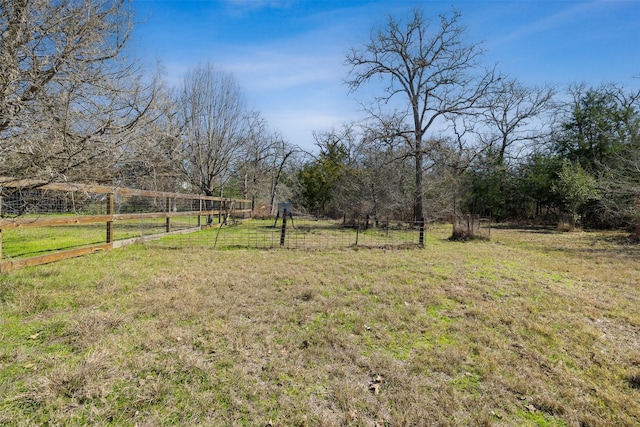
{"x": 275, "y": 180}
{"x": 636, "y": 228}
{"x": 419, "y": 208}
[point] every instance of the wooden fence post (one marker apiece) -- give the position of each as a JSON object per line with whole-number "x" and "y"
{"x": 110, "y": 211}
{"x": 168, "y": 220}
{"x": 0, "y": 230}
{"x": 421, "y": 238}
{"x": 199, "y": 214}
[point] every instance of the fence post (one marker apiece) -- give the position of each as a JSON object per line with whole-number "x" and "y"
{"x": 110, "y": 211}
{"x": 284, "y": 228}
{"x": 489, "y": 225}
{"x": 168, "y": 220}
{"x": 421, "y": 239}
{"x": 0, "y": 230}
{"x": 199, "y": 213}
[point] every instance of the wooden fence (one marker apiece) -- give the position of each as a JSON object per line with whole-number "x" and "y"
{"x": 27, "y": 204}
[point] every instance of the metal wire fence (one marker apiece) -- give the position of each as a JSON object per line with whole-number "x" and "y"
{"x": 45, "y": 222}
{"x": 300, "y": 232}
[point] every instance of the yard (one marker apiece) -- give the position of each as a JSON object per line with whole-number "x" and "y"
{"x": 533, "y": 327}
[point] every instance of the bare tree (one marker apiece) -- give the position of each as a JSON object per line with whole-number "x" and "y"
{"x": 151, "y": 157}
{"x": 266, "y": 157}
{"x": 282, "y": 153}
{"x": 251, "y": 166}
{"x": 515, "y": 115}
{"x": 68, "y": 97}
{"x": 216, "y": 125}
{"x": 431, "y": 67}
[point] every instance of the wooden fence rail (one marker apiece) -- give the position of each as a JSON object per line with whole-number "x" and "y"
{"x": 206, "y": 207}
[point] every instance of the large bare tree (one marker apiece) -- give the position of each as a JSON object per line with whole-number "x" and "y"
{"x": 216, "y": 127}
{"x": 68, "y": 96}
{"x": 430, "y": 68}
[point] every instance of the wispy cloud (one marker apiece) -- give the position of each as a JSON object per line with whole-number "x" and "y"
{"x": 259, "y": 4}
{"x": 289, "y": 55}
{"x": 555, "y": 20}
{"x": 239, "y": 8}
{"x": 278, "y": 70}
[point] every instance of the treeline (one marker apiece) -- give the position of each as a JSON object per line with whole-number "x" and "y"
{"x": 576, "y": 161}
{"x": 76, "y": 105}
{"x": 447, "y": 135}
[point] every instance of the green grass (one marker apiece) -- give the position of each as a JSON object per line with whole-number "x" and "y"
{"x": 33, "y": 241}
{"x": 528, "y": 329}
{"x": 300, "y": 233}
{"x": 24, "y": 242}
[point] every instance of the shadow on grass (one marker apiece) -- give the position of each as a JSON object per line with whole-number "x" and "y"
{"x": 584, "y": 243}
{"x": 526, "y": 228}
{"x": 633, "y": 381}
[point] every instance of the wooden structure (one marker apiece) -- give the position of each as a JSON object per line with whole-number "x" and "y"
{"x": 206, "y": 207}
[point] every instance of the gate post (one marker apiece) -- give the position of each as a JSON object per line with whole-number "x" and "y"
{"x": 110, "y": 211}
{"x": 168, "y": 220}
{"x": 0, "y": 231}
{"x": 284, "y": 228}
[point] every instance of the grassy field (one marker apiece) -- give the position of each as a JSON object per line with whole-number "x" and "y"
{"x": 33, "y": 241}
{"x": 300, "y": 234}
{"x": 531, "y": 328}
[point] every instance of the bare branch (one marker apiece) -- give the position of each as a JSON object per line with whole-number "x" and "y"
{"x": 427, "y": 65}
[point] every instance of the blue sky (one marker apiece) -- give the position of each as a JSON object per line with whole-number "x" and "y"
{"x": 288, "y": 55}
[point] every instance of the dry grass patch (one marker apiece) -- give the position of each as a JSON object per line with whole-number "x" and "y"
{"x": 527, "y": 329}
